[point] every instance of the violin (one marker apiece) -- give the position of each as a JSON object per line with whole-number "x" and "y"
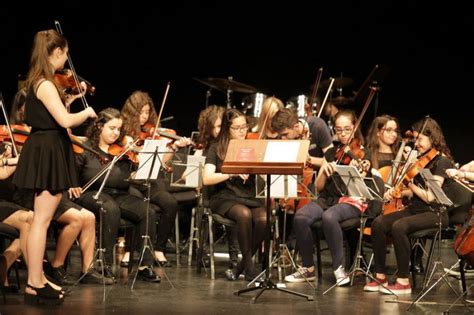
{"x": 117, "y": 149}
{"x": 20, "y": 133}
{"x": 353, "y": 152}
{"x": 65, "y": 79}
{"x": 415, "y": 169}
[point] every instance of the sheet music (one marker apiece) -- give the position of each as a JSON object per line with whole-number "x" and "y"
{"x": 191, "y": 174}
{"x": 145, "y": 158}
{"x": 282, "y": 151}
{"x": 277, "y": 186}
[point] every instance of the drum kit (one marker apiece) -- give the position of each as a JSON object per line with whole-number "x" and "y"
{"x": 252, "y": 103}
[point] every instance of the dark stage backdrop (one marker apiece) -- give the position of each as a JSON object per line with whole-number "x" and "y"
{"x": 276, "y": 49}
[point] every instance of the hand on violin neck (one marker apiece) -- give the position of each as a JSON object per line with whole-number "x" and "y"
{"x": 329, "y": 168}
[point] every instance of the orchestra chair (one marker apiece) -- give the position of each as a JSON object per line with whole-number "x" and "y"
{"x": 458, "y": 215}
{"x": 130, "y": 234}
{"x": 7, "y": 234}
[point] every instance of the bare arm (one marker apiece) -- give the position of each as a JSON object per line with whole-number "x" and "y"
{"x": 425, "y": 194}
{"x": 48, "y": 94}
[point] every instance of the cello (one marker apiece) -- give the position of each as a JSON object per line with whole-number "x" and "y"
{"x": 464, "y": 243}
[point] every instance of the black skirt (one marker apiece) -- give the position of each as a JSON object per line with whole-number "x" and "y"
{"x": 46, "y": 162}
{"x": 7, "y": 209}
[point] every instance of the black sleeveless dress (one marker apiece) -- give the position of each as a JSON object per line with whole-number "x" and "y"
{"x": 46, "y": 160}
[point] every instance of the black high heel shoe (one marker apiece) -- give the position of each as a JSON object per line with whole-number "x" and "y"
{"x": 45, "y": 295}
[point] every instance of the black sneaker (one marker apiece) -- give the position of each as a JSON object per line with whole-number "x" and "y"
{"x": 60, "y": 276}
{"x": 95, "y": 277}
{"x": 147, "y": 274}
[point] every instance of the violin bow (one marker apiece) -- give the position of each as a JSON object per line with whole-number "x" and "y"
{"x": 315, "y": 86}
{"x": 10, "y": 132}
{"x": 162, "y": 106}
{"x": 71, "y": 66}
{"x": 325, "y": 97}
{"x": 108, "y": 165}
{"x": 366, "y": 106}
{"x": 410, "y": 158}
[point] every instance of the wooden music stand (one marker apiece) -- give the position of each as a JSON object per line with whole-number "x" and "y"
{"x": 267, "y": 157}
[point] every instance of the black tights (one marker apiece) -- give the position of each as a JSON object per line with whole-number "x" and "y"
{"x": 250, "y": 232}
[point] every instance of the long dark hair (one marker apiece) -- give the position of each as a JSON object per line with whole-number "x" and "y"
{"x": 372, "y": 140}
{"x": 95, "y": 129}
{"x": 131, "y": 112}
{"x": 17, "y": 112}
{"x": 207, "y": 119}
{"x": 433, "y": 131}
{"x": 224, "y": 136}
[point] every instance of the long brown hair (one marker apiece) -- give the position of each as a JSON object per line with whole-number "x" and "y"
{"x": 95, "y": 128}
{"x": 207, "y": 119}
{"x": 372, "y": 139}
{"x": 224, "y": 136}
{"x": 17, "y": 111}
{"x": 44, "y": 44}
{"x": 131, "y": 113}
{"x": 433, "y": 131}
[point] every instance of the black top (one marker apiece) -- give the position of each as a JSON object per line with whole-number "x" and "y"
{"x": 320, "y": 136}
{"x": 89, "y": 165}
{"x": 225, "y": 194}
{"x": 36, "y": 114}
{"x": 437, "y": 166}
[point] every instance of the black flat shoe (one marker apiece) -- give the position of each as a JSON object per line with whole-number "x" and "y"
{"x": 45, "y": 296}
{"x": 147, "y": 274}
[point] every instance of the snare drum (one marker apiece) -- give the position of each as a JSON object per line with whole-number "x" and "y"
{"x": 252, "y": 104}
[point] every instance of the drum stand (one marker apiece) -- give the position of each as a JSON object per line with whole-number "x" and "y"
{"x": 267, "y": 284}
{"x": 147, "y": 245}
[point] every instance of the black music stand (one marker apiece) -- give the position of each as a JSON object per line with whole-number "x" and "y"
{"x": 356, "y": 187}
{"x": 259, "y": 157}
{"x": 439, "y": 206}
{"x": 147, "y": 245}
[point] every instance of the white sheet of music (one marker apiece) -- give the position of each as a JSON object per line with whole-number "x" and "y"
{"x": 191, "y": 174}
{"x": 145, "y": 158}
{"x": 281, "y": 151}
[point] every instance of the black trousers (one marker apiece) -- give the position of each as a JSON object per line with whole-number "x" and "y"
{"x": 399, "y": 225}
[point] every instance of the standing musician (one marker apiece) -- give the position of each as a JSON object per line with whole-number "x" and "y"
{"x": 233, "y": 196}
{"x": 139, "y": 119}
{"x": 436, "y": 156}
{"x": 331, "y": 206}
{"x": 103, "y": 135}
{"x": 286, "y": 123}
{"x": 46, "y": 165}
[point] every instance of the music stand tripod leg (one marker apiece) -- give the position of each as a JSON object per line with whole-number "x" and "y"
{"x": 267, "y": 284}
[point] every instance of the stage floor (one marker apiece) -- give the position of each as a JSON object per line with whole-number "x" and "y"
{"x": 194, "y": 293}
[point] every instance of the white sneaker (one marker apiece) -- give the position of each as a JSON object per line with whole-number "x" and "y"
{"x": 341, "y": 276}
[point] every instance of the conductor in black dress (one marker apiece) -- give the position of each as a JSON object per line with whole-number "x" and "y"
{"x": 46, "y": 164}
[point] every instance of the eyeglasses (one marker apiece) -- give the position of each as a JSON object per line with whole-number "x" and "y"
{"x": 341, "y": 130}
{"x": 240, "y": 128}
{"x": 390, "y": 130}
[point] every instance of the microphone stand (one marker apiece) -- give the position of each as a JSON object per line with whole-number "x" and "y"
{"x": 99, "y": 252}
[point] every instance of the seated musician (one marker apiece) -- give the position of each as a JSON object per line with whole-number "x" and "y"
{"x": 383, "y": 141}
{"x": 286, "y": 123}
{"x": 417, "y": 215}
{"x": 139, "y": 119}
{"x": 209, "y": 126}
{"x": 465, "y": 172}
{"x": 331, "y": 206}
{"x": 115, "y": 197}
{"x": 270, "y": 106}
{"x": 233, "y": 196}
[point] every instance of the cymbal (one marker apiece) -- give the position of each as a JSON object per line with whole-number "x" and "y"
{"x": 341, "y": 100}
{"x": 208, "y": 84}
{"x": 338, "y": 83}
{"x": 228, "y": 84}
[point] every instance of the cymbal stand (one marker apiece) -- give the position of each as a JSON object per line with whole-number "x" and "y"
{"x": 229, "y": 94}
{"x": 267, "y": 284}
{"x": 99, "y": 252}
{"x": 147, "y": 245}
